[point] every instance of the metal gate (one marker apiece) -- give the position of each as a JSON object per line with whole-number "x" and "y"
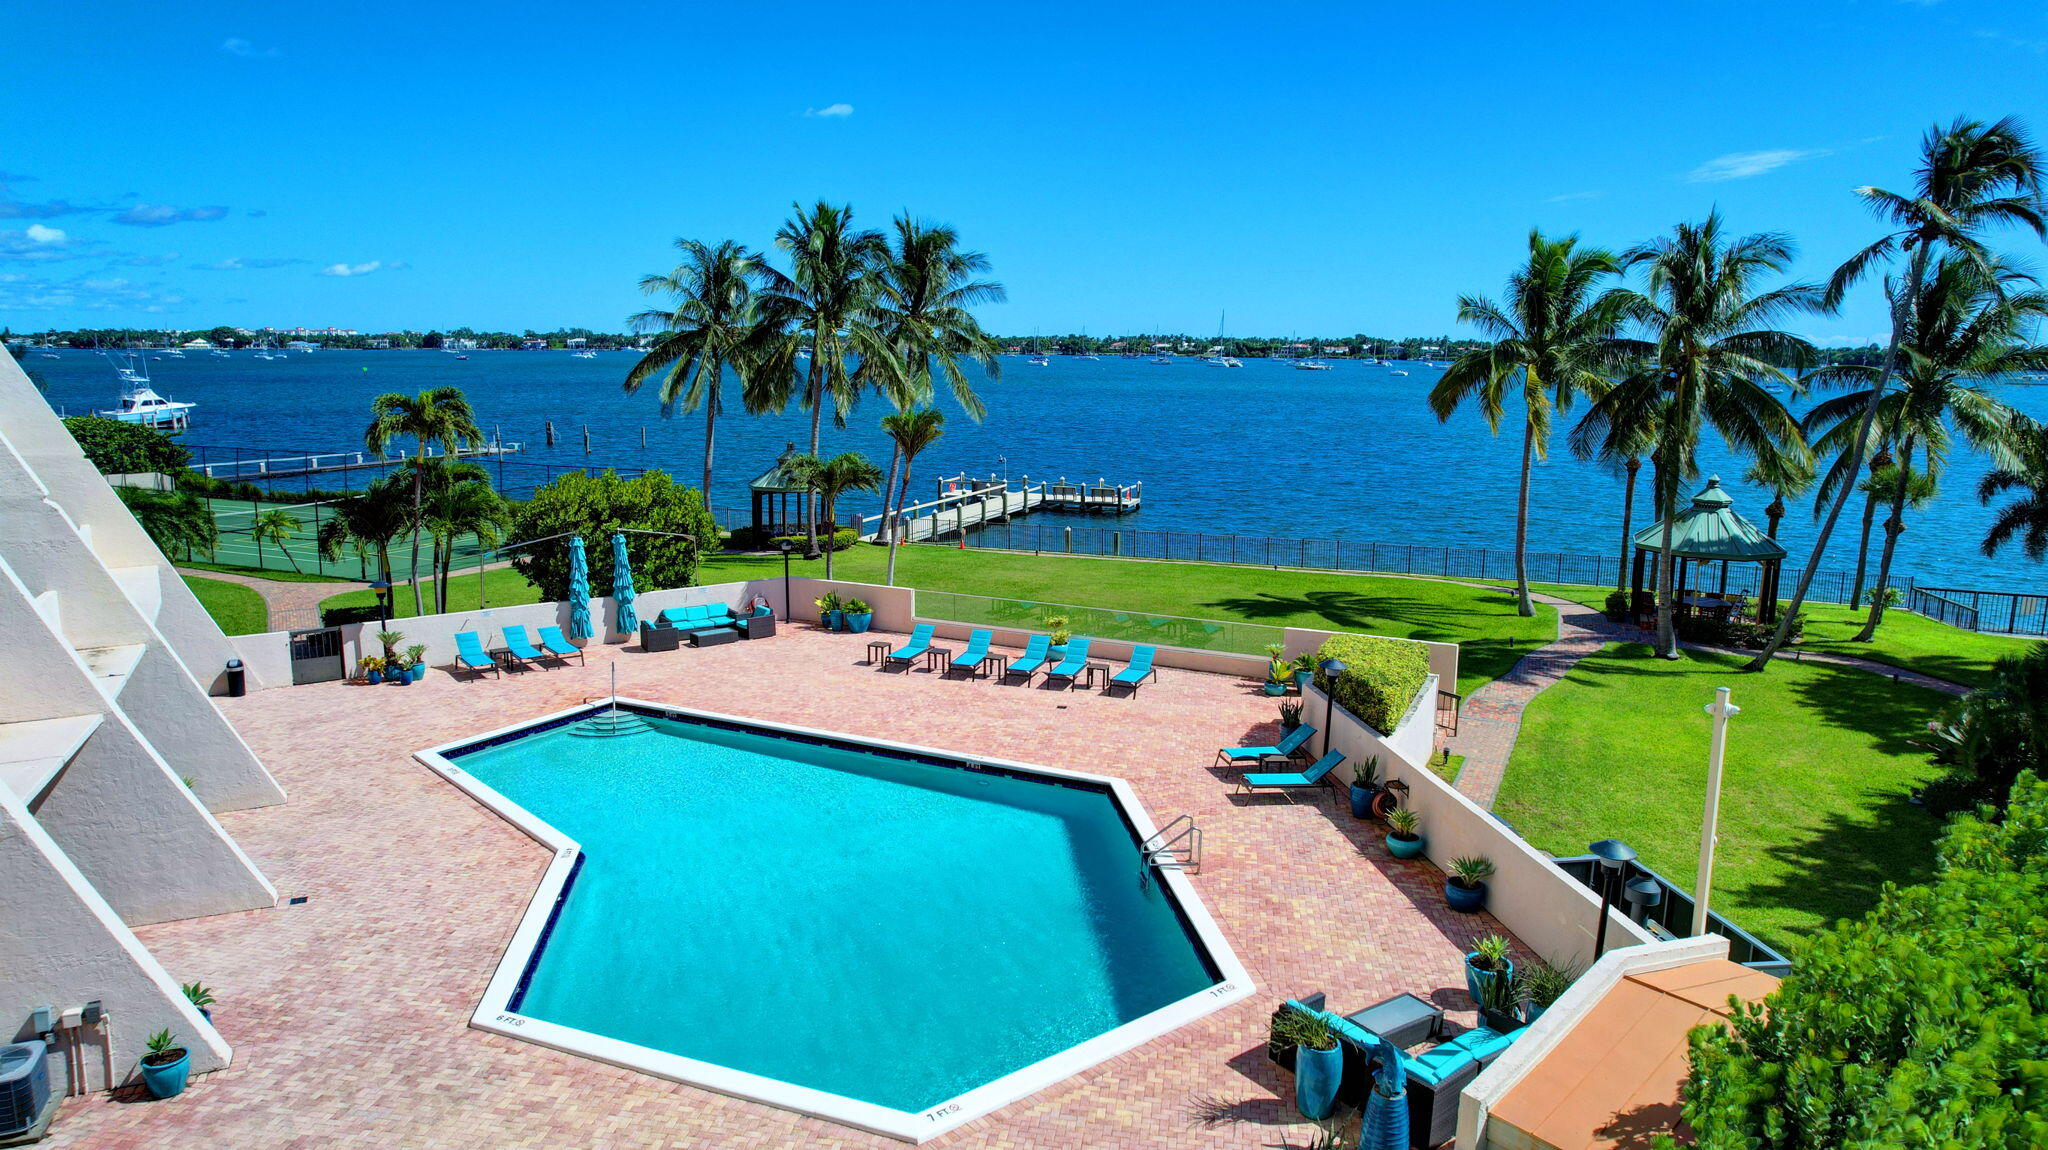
{"x": 317, "y": 656}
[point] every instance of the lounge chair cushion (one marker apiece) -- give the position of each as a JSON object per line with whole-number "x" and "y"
{"x": 551, "y": 640}
{"x": 1287, "y": 745}
{"x": 1434, "y": 1065}
{"x": 469, "y": 651}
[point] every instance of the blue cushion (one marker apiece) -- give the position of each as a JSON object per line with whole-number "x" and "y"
{"x": 1432, "y": 1066}
{"x": 1484, "y": 1044}
{"x": 1296, "y": 780}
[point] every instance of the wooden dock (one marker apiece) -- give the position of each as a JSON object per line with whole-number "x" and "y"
{"x": 966, "y": 502}
{"x": 291, "y": 466}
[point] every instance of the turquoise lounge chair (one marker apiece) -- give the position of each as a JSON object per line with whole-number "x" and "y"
{"x": 552, "y": 641}
{"x": 1316, "y": 776}
{"x": 1139, "y": 670}
{"x": 470, "y": 655}
{"x": 1031, "y": 660}
{"x": 520, "y": 647}
{"x": 1070, "y": 667}
{"x": 920, "y": 642}
{"x": 976, "y": 655}
{"x": 1287, "y": 748}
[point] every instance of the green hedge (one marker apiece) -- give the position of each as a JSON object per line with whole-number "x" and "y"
{"x": 1382, "y": 676}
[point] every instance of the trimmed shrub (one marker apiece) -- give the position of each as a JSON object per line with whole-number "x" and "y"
{"x": 117, "y": 448}
{"x": 1617, "y": 605}
{"x": 838, "y": 540}
{"x": 1382, "y": 676}
{"x": 597, "y": 505}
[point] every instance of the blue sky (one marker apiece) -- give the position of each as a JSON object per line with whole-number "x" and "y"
{"x": 1308, "y": 168}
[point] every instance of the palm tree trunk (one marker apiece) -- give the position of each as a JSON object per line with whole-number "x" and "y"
{"x": 293, "y": 559}
{"x": 831, "y": 524}
{"x": 1522, "y": 605}
{"x": 902, "y": 494}
{"x": 1667, "y": 635}
{"x": 888, "y": 489}
{"x": 717, "y": 368}
{"x": 1894, "y": 526}
{"x": 1900, "y": 310}
{"x": 1628, "y": 509}
{"x": 419, "y": 604}
{"x": 813, "y": 388}
{"x": 1863, "y": 551}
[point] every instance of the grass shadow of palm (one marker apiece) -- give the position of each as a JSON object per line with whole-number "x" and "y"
{"x": 1837, "y": 869}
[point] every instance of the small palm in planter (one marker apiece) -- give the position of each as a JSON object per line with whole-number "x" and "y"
{"x": 415, "y": 662}
{"x": 166, "y": 1066}
{"x": 831, "y": 612}
{"x": 1465, "y": 890}
{"x": 1404, "y": 833}
{"x": 1542, "y": 985}
{"x": 859, "y": 616}
{"x": 1487, "y": 963}
{"x": 1318, "y": 1061}
{"x": 1365, "y": 787}
{"x": 1304, "y": 670}
{"x": 1057, "y": 630}
{"x": 1278, "y": 676}
{"x": 200, "y": 997}
{"x": 1500, "y": 1002}
{"x": 1290, "y": 715}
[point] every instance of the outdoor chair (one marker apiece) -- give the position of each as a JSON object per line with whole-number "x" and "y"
{"x": 1316, "y": 776}
{"x": 975, "y": 656}
{"x": 1139, "y": 670}
{"x": 1031, "y": 660}
{"x": 471, "y": 656}
{"x": 1070, "y": 667}
{"x": 520, "y": 647}
{"x": 553, "y": 642}
{"x": 1289, "y": 746}
{"x": 920, "y": 642}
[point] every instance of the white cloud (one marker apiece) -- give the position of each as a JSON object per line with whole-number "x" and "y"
{"x": 830, "y": 111}
{"x": 39, "y": 243}
{"x": 1743, "y": 165}
{"x": 363, "y": 269}
{"x": 162, "y": 215}
{"x": 43, "y": 235}
{"x": 237, "y": 264}
{"x": 83, "y": 294}
{"x": 236, "y": 46}
{"x": 1570, "y": 196}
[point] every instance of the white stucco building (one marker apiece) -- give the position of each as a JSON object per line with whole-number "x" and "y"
{"x": 113, "y": 760}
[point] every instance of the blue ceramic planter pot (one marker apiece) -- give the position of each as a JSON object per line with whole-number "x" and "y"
{"x": 1361, "y": 801}
{"x": 374, "y": 677}
{"x": 1274, "y": 688}
{"x": 858, "y": 624}
{"x": 1316, "y": 1077}
{"x": 1461, "y": 898}
{"x": 1476, "y": 978}
{"x": 836, "y": 621}
{"x": 168, "y": 1081}
{"x": 1302, "y": 680}
{"x": 1406, "y": 848}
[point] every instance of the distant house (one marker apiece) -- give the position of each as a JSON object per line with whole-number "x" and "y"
{"x": 197, "y": 344}
{"x": 1339, "y": 349}
{"x": 379, "y": 344}
{"x": 575, "y": 343}
{"x": 533, "y": 345}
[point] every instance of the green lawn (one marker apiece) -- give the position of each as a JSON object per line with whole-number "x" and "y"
{"x": 264, "y": 573}
{"x": 1484, "y": 623}
{"x": 1814, "y": 811}
{"x": 1903, "y": 639}
{"x": 237, "y": 609}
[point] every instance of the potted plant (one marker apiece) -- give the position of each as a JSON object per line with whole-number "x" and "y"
{"x": 1542, "y": 985}
{"x": 1404, "y": 833}
{"x": 1365, "y": 786}
{"x": 859, "y": 616}
{"x": 1500, "y": 1002}
{"x": 1290, "y": 715}
{"x": 166, "y": 1066}
{"x": 1487, "y": 961}
{"x": 1278, "y": 676}
{"x": 200, "y": 997}
{"x": 372, "y": 667}
{"x": 1304, "y": 670}
{"x": 830, "y": 611}
{"x": 391, "y": 640}
{"x": 1465, "y": 890}
{"x": 1056, "y": 628}
{"x": 1318, "y": 1061}
{"x": 415, "y": 662}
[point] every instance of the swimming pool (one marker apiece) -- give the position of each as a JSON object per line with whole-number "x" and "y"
{"x": 892, "y": 937}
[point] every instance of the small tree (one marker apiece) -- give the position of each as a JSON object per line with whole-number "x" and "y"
{"x": 595, "y": 506}
{"x": 177, "y": 521}
{"x": 278, "y": 527}
{"x": 117, "y": 448}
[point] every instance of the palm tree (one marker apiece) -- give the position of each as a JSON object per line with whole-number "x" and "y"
{"x": 912, "y": 432}
{"x": 927, "y": 289}
{"x": 2027, "y": 473}
{"x": 461, "y": 501}
{"x": 711, "y": 328}
{"x": 1553, "y": 336}
{"x": 278, "y": 526}
{"x": 1786, "y": 472}
{"x": 1972, "y": 176}
{"x": 368, "y": 523}
{"x": 176, "y": 521}
{"x": 829, "y": 301}
{"x": 834, "y": 477}
{"x": 440, "y": 415}
{"x": 1628, "y": 446}
{"x": 1708, "y": 352}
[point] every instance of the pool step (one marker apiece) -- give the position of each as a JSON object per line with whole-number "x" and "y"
{"x": 611, "y": 725}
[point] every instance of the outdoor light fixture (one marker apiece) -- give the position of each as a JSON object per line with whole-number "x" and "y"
{"x": 1645, "y": 892}
{"x": 1330, "y": 669}
{"x": 786, "y": 616}
{"x": 382, "y": 589}
{"x": 1615, "y": 857}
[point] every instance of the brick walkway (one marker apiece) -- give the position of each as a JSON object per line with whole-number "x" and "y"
{"x": 292, "y": 605}
{"x": 349, "y": 1013}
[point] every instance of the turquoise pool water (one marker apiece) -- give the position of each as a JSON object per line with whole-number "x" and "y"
{"x": 892, "y": 931}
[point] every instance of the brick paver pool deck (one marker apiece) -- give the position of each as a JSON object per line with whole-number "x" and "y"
{"x": 349, "y": 1012}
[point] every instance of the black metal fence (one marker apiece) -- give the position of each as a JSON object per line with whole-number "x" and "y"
{"x": 1479, "y": 563}
{"x": 2006, "y": 611}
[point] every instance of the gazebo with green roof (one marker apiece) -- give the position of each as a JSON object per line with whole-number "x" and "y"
{"x": 771, "y": 491}
{"x": 1711, "y": 532}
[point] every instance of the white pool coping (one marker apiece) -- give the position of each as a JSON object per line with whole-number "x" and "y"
{"x": 492, "y": 1014}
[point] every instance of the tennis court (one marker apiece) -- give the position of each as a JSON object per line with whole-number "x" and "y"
{"x": 299, "y": 549}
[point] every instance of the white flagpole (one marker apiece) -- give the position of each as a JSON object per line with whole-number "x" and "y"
{"x": 1722, "y": 710}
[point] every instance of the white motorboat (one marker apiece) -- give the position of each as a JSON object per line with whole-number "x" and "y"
{"x": 1039, "y": 361}
{"x": 1397, "y": 373}
{"x": 1311, "y": 365}
{"x": 140, "y": 404}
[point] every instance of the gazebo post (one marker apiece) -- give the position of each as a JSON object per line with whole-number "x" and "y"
{"x": 1636, "y": 581}
{"x": 1724, "y": 577}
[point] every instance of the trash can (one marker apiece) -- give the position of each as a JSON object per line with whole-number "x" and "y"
{"x": 238, "y": 679}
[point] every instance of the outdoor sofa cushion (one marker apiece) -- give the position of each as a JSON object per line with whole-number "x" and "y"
{"x": 1434, "y": 1065}
{"x": 698, "y": 617}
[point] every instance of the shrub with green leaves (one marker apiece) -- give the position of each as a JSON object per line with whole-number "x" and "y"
{"x": 1380, "y": 679}
{"x": 1925, "y": 1023}
{"x": 597, "y": 505}
{"x": 117, "y": 448}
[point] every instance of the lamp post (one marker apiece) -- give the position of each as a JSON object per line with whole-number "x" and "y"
{"x": 382, "y": 590}
{"x": 784, "y": 544}
{"x": 1722, "y": 710}
{"x": 1330, "y": 669}
{"x": 1614, "y": 856}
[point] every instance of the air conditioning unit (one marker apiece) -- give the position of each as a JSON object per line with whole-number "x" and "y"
{"x": 24, "y": 1085}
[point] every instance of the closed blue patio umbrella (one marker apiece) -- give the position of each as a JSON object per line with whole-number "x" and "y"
{"x": 579, "y": 590}
{"x": 1385, "y": 1123}
{"x": 622, "y": 586}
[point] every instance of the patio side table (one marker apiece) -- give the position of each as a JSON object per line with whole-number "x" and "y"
{"x": 1092, "y": 672}
{"x": 1403, "y": 1020}
{"x": 938, "y": 659}
{"x": 878, "y": 650}
{"x": 1001, "y": 664}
